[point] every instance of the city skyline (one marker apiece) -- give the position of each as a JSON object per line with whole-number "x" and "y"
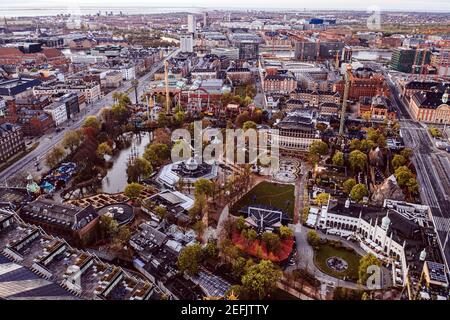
{"x": 416, "y": 5}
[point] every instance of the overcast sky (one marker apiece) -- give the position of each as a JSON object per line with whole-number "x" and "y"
{"x": 420, "y": 5}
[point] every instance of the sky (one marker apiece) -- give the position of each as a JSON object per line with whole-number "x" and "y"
{"x": 410, "y": 5}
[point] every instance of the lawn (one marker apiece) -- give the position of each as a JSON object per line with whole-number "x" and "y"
{"x": 280, "y": 196}
{"x": 326, "y": 251}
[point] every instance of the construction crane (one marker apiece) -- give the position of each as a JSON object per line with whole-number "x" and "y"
{"x": 344, "y": 103}
{"x": 166, "y": 78}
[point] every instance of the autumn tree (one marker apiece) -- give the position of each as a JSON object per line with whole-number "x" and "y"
{"x": 313, "y": 238}
{"x": 322, "y": 199}
{"x": 160, "y": 135}
{"x": 104, "y": 149}
{"x": 286, "y": 232}
{"x": 92, "y": 122}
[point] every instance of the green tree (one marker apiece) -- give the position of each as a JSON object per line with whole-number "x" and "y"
{"x": 348, "y": 185}
{"x": 157, "y": 153}
{"x": 123, "y": 235}
{"x": 72, "y": 140}
{"x": 272, "y": 241}
{"x": 357, "y": 160}
{"x": 91, "y": 122}
{"x": 365, "y": 296}
{"x": 179, "y": 117}
{"x": 435, "y": 132}
{"x": 313, "y": 238}
{"x": 367, "y": 145}
{"x": 365, "y": 262}
{"x": 210, "y": 250}
{"x": 242, "y": 118}
{"x": 204, "y": 187}
{"x": 133, "y": 190}
{"x": 413, "y": 186}
{"x": 108, "y": 227}
{"x": 55, "y": 156}
{"x": 398, "y": 161}
{"x": 199, "y": 227}
{"x": 247, "y": 101}
{"x": 322, "y": 199}
{"x": 139, "y": 169}
{"x": 163, "y": 120}
{"x": 319, "y": 148}
{"x": 338, "y": 158}
{"x": 355, "y": 144}
{"x": 286, "y": 232}
{"x": 238, "y": 267}
{"x": 189, "y": 259}
{"x": 161, "y": 212}
{"x": 240, "y": 223}
{"x": 120, "y": 113}
{"x": 358, "y": 192}
{"x": 103, "y": 149}
{"x": 403, "y": 175}
{"x": 406, "y": 153}
{"x": 261, "y": 279}
{"x": 249, "y": 125}
{"x": 321, "y": 126}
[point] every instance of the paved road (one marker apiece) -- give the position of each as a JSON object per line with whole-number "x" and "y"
{"x": 306, "y": 260}
{"x": 49, "y": 140}
{"x": 432, "y": 166}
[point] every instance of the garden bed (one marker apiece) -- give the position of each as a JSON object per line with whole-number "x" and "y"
{"x": 324, "y": 252}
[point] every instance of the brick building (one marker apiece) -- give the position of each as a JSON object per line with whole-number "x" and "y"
{"x": 11, "y": 141}
{"x": 363, "y": 82}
